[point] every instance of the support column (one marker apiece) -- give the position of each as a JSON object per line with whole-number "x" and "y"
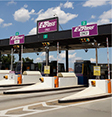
{"x": 11, "y": 59}
{"x": 96, "y": 56}
{"x": 47, "y": 57}
{"x": 20, "y": 53}
{"x": 67, "y": 61}
{"x": 0, "y": 60}
{"x": 0, "y": 56}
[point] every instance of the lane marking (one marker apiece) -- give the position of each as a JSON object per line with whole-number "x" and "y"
{"x": 55, "y": 107}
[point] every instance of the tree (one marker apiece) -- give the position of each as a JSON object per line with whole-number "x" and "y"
{"x": 6, "y": 59}
{"x": 39, "y": 66}
{"x": 25, "y": 60}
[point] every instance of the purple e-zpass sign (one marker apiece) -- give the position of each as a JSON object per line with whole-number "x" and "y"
{"x": 87, "y": 30}
{"x": 47, "y": 26}
{"x": 16, "y": 39}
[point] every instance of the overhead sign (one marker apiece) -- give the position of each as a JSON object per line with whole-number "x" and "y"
{"x": 16, "y": 40}
{"x": 46, "y": 69}
{"x": 47, "y": 25}
{"x": 82, "y": 31}
{"x": 45, "y": 36}
{"x": 97, "y": 71}
{"x": 83, "y": 23}
{"x": 17, "y": 33}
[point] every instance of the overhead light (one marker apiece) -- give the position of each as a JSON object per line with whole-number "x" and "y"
{"x": 37, "y": 53}
{"x": 99, "y": 44}
{"x": 86, "y": 50}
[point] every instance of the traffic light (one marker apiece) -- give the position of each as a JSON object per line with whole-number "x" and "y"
{"x": 45, "y": 43}
{"x": 84, "y": 40}
{"x": 16, "y": 46}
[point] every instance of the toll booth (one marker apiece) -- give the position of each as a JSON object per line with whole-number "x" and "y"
{"x": 83, "y": 71}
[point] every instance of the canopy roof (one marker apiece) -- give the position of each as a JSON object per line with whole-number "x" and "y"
{"x": 33, "y": 43}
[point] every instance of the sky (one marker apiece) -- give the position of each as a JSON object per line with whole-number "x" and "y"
{"x": 21, "y": 16}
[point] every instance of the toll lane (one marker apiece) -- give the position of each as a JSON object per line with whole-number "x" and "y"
{"x": 23, "y": 99}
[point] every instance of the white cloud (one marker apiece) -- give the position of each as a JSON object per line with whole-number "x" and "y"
{"x": 71, "y": 51}
{"x": 25, "y": 6}
{"x": 1, "y": 21}
{"x": 92, "y": 60}
{"x": 33, "y": 31}
{"x": 103, "y": 21}
{"x": 22, "y": 15}
{"x": 50, "y": 12}
{"x": 7, "y": 24}
{"x": 32, "y": 19}
{"x": 37, "y": 60}
{"x": 105, "y": 17}
{"x": 51, "y": 57}
{"x": 40, "y": 11}
{"x": 67, "y": 5}
{"x": 106, "y": 14}
{"x": 93, "y": 16}
{"x": 95, "y": 3}
{"x": 43, "y": 54}
{"x": 72, "y": 56}
{"x": 62, "y": 55}
{"x": 110, "y": 2}
{"x": 32, "y": 11}
{"x": 11, "y": 2}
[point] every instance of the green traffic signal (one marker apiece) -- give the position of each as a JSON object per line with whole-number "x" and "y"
{"x": 45, "y": 43}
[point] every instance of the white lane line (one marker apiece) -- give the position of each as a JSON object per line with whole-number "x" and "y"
{"x": 44, "y": 104}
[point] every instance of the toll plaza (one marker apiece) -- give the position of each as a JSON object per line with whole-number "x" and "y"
{"x": 83, "y": 84}
{"x": 49, "y": 38}
{"x": 67, "y": 40}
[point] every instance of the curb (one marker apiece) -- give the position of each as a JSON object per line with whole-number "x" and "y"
{"x": 41, "y": 90}
{"x": 16, "y": 85}
{"x": 86, "y": 98}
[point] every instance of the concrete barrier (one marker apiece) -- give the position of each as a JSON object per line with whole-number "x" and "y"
{"x": 97, "y": 88}
{"x": 67, "y": 79}
{"x": 31, "y": 77}
{"x": 102, "y": 84}
{"x": 3, "y": 73}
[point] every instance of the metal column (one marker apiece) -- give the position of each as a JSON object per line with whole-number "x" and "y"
{"x": 47, "y": 56}
{"x": 67, "y": 61}
{"x": 96, "y": 56}
{"x": 0, "y": 56}
{"x": 11, "y": 59}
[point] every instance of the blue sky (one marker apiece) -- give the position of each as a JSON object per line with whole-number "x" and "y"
{"x": 21, "y": 16}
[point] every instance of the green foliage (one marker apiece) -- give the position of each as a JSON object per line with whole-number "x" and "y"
{"x": 39, "y": 66}
{"x": 25, "y": 60}
{"x": 7, "y": 59}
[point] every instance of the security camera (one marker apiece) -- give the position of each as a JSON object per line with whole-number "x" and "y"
{"x": 37, "y": 53}
{"x": 86, "y": 50}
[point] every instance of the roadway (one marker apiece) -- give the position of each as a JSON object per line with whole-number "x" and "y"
{"x": 45, "y": 104}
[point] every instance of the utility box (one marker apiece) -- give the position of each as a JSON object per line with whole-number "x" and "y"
{"x": 67, "y": 79}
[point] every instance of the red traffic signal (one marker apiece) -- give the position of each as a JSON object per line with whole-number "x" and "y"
{"x": 45, "y": 43}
